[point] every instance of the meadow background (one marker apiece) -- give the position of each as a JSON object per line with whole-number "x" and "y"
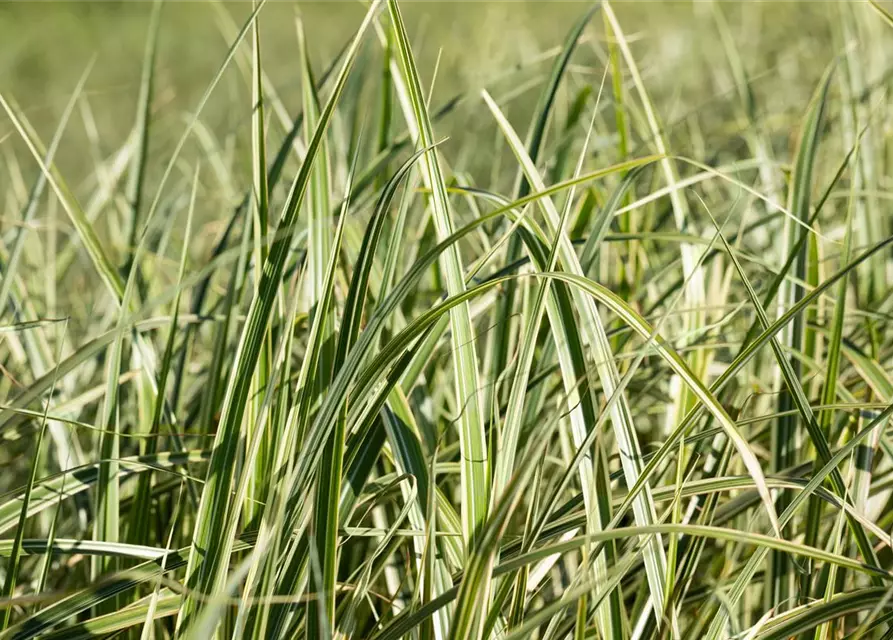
{"x": 475, "y": 42}
{"x": 279, "y": 357}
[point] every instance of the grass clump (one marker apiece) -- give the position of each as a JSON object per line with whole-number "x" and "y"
{"x": 594, "y": 366}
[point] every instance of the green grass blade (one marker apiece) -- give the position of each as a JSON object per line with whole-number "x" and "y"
{"x": 207, "y": 574}
{"x": 139, "y": 528}
{"x": 12, "y": 568}
{"x": 85, "y": 230}
{"x": 594, "y": 335}
{"x": 883, "y": 12}
{"x": 136, "y": 173}
{"x": 476, "y": 473}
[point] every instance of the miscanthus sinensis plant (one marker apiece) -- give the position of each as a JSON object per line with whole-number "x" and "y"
{"x": 590, "y": 370}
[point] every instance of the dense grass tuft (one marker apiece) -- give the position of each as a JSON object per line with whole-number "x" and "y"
{"x": 590, "y": 344}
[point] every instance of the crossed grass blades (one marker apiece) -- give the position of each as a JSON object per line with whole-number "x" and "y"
{"x": 632, "y": 381}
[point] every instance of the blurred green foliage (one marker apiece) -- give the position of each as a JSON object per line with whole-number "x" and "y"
{"x": 47, "y": 45}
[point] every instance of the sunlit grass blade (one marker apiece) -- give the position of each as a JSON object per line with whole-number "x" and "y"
{"x": 475, "y": 466}
{"x": 85, "y": 229}
{"x": 12, "y": 569}
{"x": 694, "y": 277}
{"x": 321, "y": 266}
{"x": 719, "y": 621}
{"x": 785, "y": 439}
{"x": 595, "y": 337}
{"x": 883, "y": 12}
{"x": 210, "y": 553}
{"x": 139, "y": 528}
{"x": 137, "y": 170}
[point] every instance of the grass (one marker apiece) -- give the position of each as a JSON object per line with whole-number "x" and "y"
{"x": 589, "y": 344}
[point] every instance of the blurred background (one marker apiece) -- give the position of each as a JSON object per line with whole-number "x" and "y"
{"x": 505, "y": 46}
